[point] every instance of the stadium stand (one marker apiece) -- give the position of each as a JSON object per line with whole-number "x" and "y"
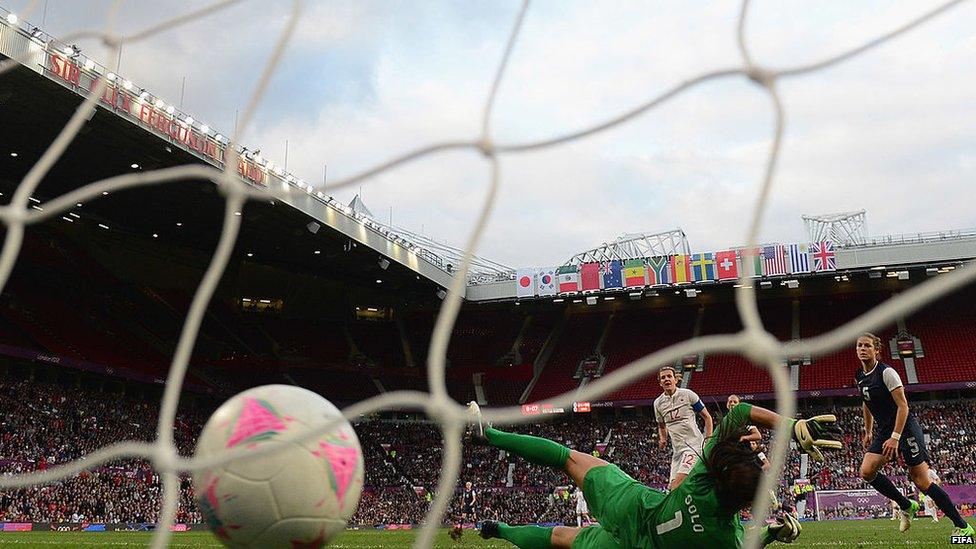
{"x": 578, "y": 341}
{"x": 819, "y": 315}
{"x": 635, "y": 334}
{"x": 53, "y": 418}
{"x": 947, "y": 332}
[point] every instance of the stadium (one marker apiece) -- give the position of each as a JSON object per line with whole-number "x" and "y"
{"x": 325, "y": 295}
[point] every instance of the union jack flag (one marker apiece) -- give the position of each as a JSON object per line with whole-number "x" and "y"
{"x": 774, "y": 260}
{"x": 823, "y": 256}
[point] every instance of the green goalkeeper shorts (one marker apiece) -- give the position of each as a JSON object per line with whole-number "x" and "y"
{"x": 620, "y": 504}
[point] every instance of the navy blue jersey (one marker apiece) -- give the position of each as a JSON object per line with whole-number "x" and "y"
{"x": 468, "y": 497}
{"x": 876, "y": 387}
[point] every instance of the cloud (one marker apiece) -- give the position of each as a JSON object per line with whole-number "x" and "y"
{"x": 889, "y": 132}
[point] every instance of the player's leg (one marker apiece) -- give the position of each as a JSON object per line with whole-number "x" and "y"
{"x": 531, "y": 537}
{"x": 681, "y": 465}
{"x": 870, "y": 465}
{"x": 919, "y": 474}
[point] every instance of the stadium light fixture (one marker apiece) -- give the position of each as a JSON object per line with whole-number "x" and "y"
{"x": 155, "y": 235}
{"x": 691, "y": 292}
{"x": 219, "y": 137}
{"x": 158, "y": 103}
{"x": 127, "y": 85}
{"x": 609, "y": 298}
{"x": 765, "y": 284}
{"x": 250, "y": 254}
{"x": 179, "y": 224}
{"x": 384, "y": 263}
{"x": 68, "y": 219}
{"x": 143, "y": 95}
{"x": 38, "y": 208}
{"x": 32, "y": 199}
{"x": 78, "y": 204}
{"x": 13, "y": 154}
{"x": 12, "y": 18}
{"x": 874, "y": 274}
{"x": 560, "y": 300}
{"x": 577, "y": 301}
{"x": 104, "y": 226}
{"x": 238, "y": 214}
{"x": 104, "y": 193}
{"x": 931, "y": 271}
{"x": 69, "y": 51}
{"x": 792, "y": 284}
{"x": 188, "y": 120}
{"x": 89, "y": 64}
{"x": 591, "y": 300}
{"x": 134, "y": 166}
{"x": 74, "y": 215}
{"x": 317, "y": 252}
{"x": 204, "y": 129}
{"x": 379, "y": 281}
{"x": 170, "y": 109}
{"x": 110, "y": 76}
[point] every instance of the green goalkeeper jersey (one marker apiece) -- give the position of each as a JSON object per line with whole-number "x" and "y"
{"x": 691, "y": 516}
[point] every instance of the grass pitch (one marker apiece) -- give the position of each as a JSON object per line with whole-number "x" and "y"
{"x": 864, "y": 533}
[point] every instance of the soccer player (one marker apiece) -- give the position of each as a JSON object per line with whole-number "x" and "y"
{"x": 753, "y": 433}
{"x": 675, "y": 411}
{"x": 702, "y": 512}
{"x": 582, "y": 509}
{"x": 927, "y": 501}
{"x": 890, "y": 428}
{"x": 468, "y": 499}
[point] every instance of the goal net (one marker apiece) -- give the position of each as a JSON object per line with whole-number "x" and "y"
{"x": 753, "y": 342}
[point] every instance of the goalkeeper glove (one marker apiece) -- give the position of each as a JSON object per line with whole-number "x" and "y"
{"x": 816, "y": 433}
{"x": 786, "y": 529}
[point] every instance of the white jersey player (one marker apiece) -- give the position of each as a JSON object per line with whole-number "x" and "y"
{"x": 582, "y": 509}
{"x": 930, "y": 507}
{"x": 675, "y": 412}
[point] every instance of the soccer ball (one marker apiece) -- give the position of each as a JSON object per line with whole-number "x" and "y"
{"x": 299, "y": 496}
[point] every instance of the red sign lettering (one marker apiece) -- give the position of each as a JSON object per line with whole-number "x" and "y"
{"x": 65, "y": 69}
{"x": 250, "y": 171}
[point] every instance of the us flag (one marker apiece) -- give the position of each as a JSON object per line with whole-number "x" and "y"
{"x": 774, "y": 260}
{"x": 823, "y": 256}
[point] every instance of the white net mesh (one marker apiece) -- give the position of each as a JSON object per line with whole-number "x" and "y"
{"x": 753, "y": 341}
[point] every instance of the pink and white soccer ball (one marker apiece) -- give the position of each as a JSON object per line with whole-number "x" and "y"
{"x": 299, "y": 496}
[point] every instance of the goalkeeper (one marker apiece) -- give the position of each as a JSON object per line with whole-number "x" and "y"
{"x": 702, "y": 512}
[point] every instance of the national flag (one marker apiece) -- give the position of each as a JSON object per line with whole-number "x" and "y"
{"x": 728, "y": 268}
{"x": 545, "y": 281}
{"x": 525, "y": 283}
{"x": 659, "y": 270}
{"x": 752, "y": 261}
{"x": 799, "y": 258}
{"x": 590, "y": 275}
{"x": 774, "y": 260}
{"x": 612, "y": 274}
{"x": 703, "y": 266}
{"x": 568, "y": 277}
{"x": 634, "y": 273}
{"x": 824, "y": 258}
{"x": 680, "y": 269}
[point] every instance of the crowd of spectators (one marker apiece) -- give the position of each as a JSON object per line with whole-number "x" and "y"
{"x": 45, "y": 424}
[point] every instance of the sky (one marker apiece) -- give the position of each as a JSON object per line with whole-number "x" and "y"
{"x": 892, "y": 132}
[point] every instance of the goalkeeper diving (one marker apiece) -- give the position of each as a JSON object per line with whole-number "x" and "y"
{"x": 702, "y": 512}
